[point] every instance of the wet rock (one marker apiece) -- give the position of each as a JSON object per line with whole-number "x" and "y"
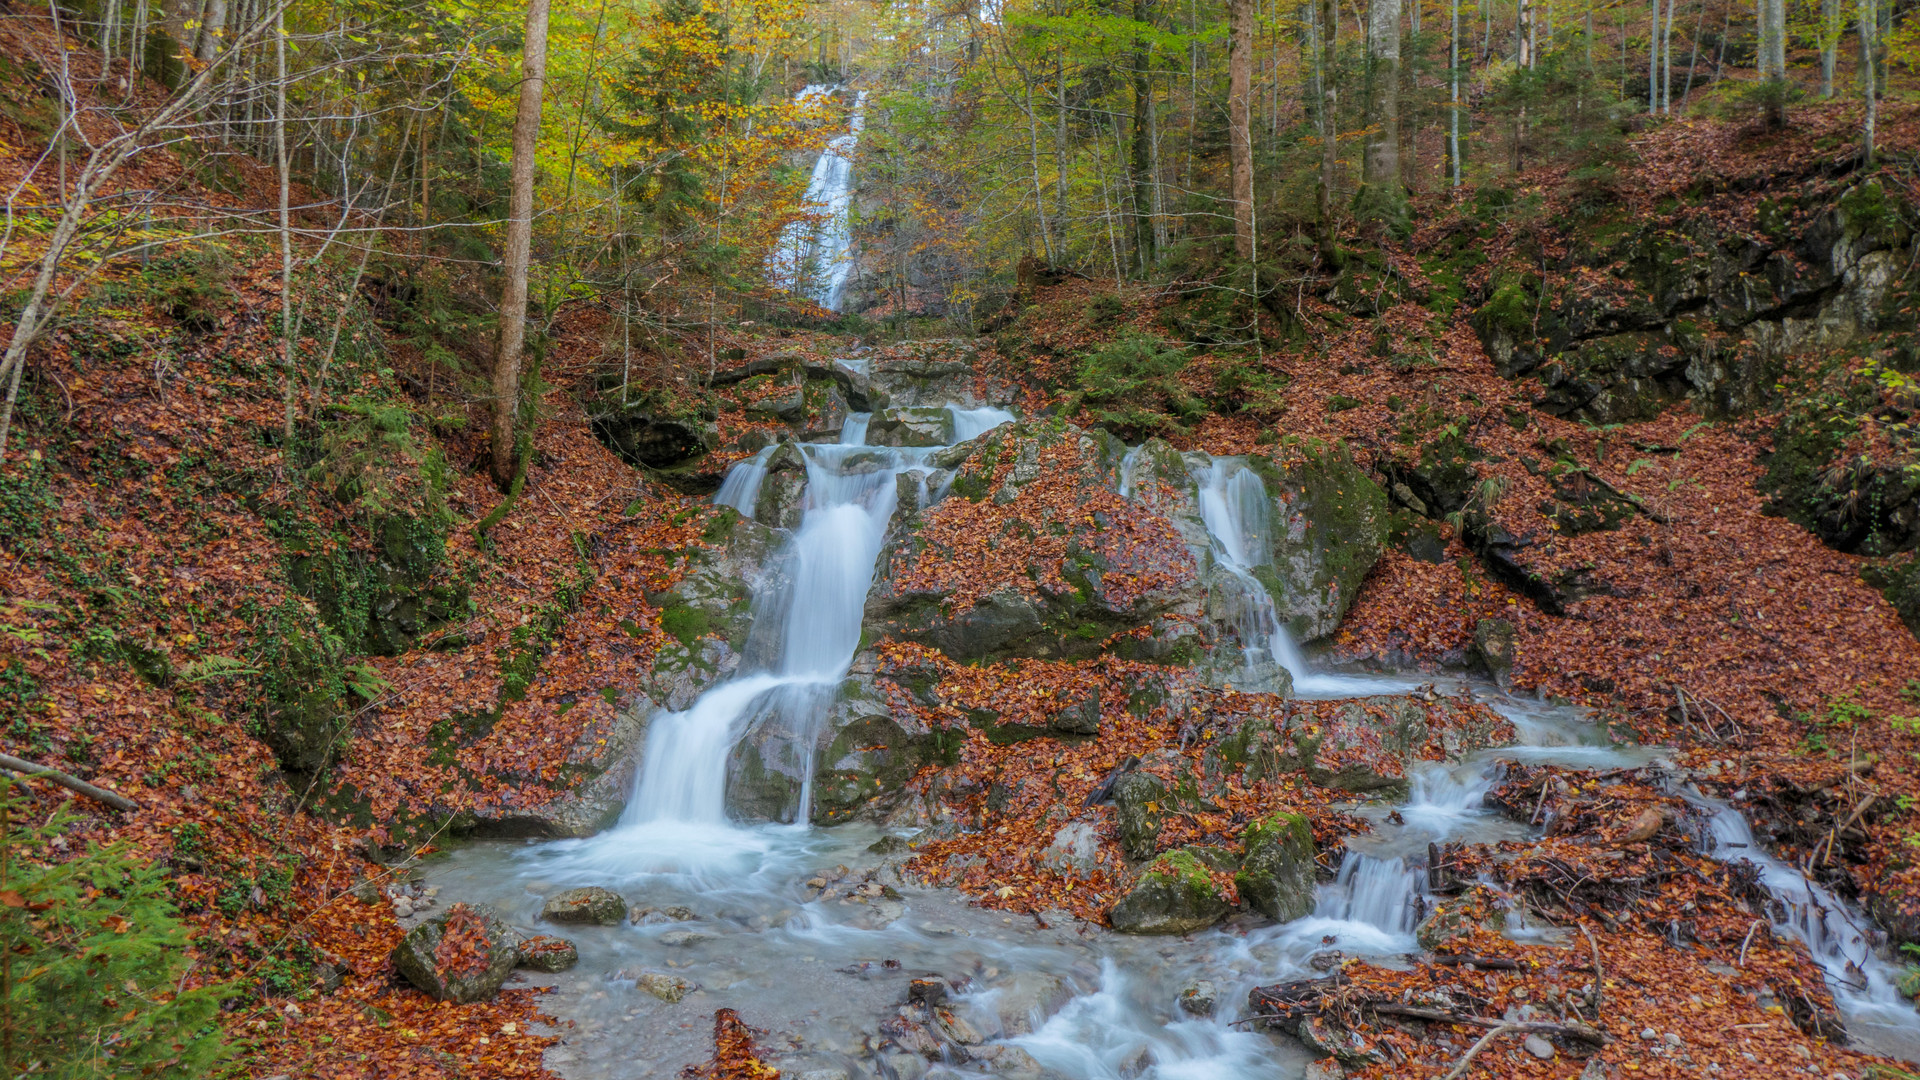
{"x": 1330, "y": 525}
{"x": 1139, "y": 809}
{"x": 548, "y": 954}
{"x": 1027, "y": 999}
{"x": 1137, "y": 1063}
{"x": 910, "y": 427}
{"x": 890, "y": 845}
{"x": 954, "y": 1028}
{"x": 929, "y": 992}
{"x": 1012, "y": 1062}
{"x": 461, "y": 956}
{"x": 684, "y": 938}
{"x": 591, "y": 905}
{"x": 1325, "y": 1069}
{"x": 1495, "y": 648}
{"x": 905, "y": 1066}
{"x": 1456, "y": 917}
{"x": 1199, "y": 997}
{"x": 668, "y": 988}
{"x": 1176, "y": 894}
{"x": 783, "y": 490}
{"x": 1277, "y": 875}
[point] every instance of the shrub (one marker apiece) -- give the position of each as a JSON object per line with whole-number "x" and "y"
{"x": 92, "y": 954}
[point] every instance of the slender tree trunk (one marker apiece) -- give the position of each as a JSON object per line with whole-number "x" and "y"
{"x": 1327, "y": 21}
{"x": 1830, "y": 30}
{"x": 1240, "y": 122}
{"x": 1143, "y": 128}
{"x": 1869, "y": 45}
{"x": 513, "y": 306}
{"x": 287, "y": 328}
{"x": 1666, "y": 60}
{"x": 1453, "y": 66}
{"x": 211, "y": 30}
{"x": 1039, "y": 199}
{"x": 1060, "y": 144}
{"x": 1159, "y": 188}
{"x": 1382, "y": 196}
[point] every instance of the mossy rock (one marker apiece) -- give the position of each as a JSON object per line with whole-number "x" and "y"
{"x": 481, "y": 956}
{"x": 305, "y": 694}
{"x": 1175, "y": 895}
{"x": 591, "y": 906}
{"x": 1139, "y": 809}
{"x": 1277, "y": 876}
{"x": 548, "y": 954}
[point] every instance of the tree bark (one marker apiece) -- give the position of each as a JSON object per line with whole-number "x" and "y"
{"x": 1383, "y": 196}
{"x": 287, "y": 328}
{"x": 1830, "y": 27}
{"x": 1240, "y": 123}
{"x": 1453, "y": 65}
{"x": 513, "y": 306}
{"x": 1869, "y": 45}
{"x": 1143, "y": 131}
{"x": 1325, "y": 23}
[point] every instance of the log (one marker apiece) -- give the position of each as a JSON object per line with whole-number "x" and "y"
{"x": 100, "y": 795}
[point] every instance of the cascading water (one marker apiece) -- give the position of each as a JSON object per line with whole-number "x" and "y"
{"x": 813, "y": 257}
{"x": 803, "y": 969}
{"x": 1239, "y": 518}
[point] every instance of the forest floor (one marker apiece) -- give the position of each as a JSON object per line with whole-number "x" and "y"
{"x": 149, "y": 501}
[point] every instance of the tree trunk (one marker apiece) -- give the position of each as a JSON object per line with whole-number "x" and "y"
{"x": 1830, "y": 28}
{"x": 1666, "y": 59}
{"x": 1382, "y": 196}
{"x": 287, "y": 328}
{"x": 1060, "y": 145}
{"x": 1453, "y": 65}
{"x": 513, "y": 305}
{"x": 1240, "y": 122}
{"x": 1869, "y": 45}
{"x": 210, "y": 33}
{"x": 1326, "y": 23}
{"x": 1143, "y": 128}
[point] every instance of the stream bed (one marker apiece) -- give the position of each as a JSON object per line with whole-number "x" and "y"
{"x": 731, "y": 917}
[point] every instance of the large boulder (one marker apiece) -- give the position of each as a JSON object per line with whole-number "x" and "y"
{"x": 1176, "y": 894}
{"x": 462, "y": 956}
{"x": 911, "y": 426}
{"x": 1139, "y": 809}
{"x": 1330, "y": 526}
{"x": 1033, "y": 554}
{"x": 594, "y": 782}
{"x": 863, "y": 751}
{"x": 1363, "y": 745}
{"x": 1277, "y": 876}
{"x": 935, "y": 373}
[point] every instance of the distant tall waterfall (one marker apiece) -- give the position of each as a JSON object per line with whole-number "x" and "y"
{"x": 814, "y": 257}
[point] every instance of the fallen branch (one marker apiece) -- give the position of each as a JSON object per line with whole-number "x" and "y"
{"x": 1582, "y": 1032}
{"x": 1484, "y": 963}
{"x": 1474, "y": 1050}
{"x": 101, "y": 795}
{"x": 1599, "y": 975}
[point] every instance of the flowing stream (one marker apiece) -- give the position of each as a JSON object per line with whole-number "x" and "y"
{"x": 814, "y": 255}
{"x": 729, "y": 912}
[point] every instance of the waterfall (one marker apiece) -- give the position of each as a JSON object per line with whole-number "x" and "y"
{"x": 741, "y": 488}
{"x": 814, "y": 620}
{"x": 1239, "y": 519}
{"x": 814, "y": 257}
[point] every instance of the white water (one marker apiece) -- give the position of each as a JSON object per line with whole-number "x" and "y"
{"x": 813, "y": 973}
{"x": 741, "y": 488}
{"x": 1239, "y": 518}
{"x": 813, "y": 256}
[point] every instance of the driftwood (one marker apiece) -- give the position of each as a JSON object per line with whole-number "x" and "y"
{"x": 101, "y": 795}
{"x": 1292, "y": 1002}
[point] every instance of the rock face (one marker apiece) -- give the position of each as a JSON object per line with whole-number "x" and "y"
{"x": 937, "y": 373}
{"x": 1176, "y": 894}
{"x": 605, "y": 758}
{"x": 1277, "y": 875}
{"x": 1665, "y": 313}
{"x": 1357, "y": 744}
{"x": 462, "y": 956}
{"x": 589, "y": 906}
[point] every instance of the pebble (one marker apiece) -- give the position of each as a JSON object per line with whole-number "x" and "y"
{"x": 684, "y": 937}
{"x": 1672, "y": 1039}
{"x": 1539, "y": 1047}
{"x": 1648, "y": 1034}
{"x": 402, "y": 909}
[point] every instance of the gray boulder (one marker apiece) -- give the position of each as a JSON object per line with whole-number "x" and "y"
{"x": 911, "y": 427}
{"x": 592, "y": 905}
{"x": 1139, "y": 809}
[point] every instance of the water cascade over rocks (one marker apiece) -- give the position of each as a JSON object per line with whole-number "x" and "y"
{"x": 814, "y": 257}
{"x": 738, "y": 916}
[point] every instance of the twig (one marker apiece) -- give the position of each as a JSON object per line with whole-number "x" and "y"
{"x": 1474, "y": 1050}
{"x": 1485, "y": 963}
{"x": 1744, "y": 942}
{"x": 101, "y": 795}
{"x": 1534, "y": 818}
{"x": 1599, "y": 973}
